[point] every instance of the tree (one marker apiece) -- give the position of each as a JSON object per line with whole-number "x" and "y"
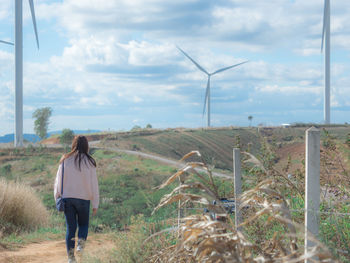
{"x": 148, "y": 126}
{"x": 41, "y": 122}
{"x": 250, "y": 118}
{"x": 66, "y": 136}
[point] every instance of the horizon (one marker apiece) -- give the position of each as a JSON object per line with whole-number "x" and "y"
{"x": 111, "y": 65}
{"x": 134, "y": 129}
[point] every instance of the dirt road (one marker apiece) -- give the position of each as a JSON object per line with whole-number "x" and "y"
{"x": 167, "y": 161}
{"x": 54, "y": 251}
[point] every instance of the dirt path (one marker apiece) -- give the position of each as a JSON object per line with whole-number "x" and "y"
{"x": 167, "y": 161}
{"x": 54, "y": 251}
{"x": 164, "y": 160}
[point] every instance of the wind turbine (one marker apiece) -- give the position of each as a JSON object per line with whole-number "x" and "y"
{"x": 326, "y": 41}
{"x": 207, "y": 92}
{"x": 18, "y": 142}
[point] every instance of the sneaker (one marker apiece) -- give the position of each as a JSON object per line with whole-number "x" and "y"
{"x": 81, "y": 245}
{"x": 71, "y": 257}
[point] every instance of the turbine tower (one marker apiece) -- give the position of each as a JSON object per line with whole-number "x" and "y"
{"x": 326, "y": 41}
{"x": 18, "y": 142}
{"x": 207, "y": 92}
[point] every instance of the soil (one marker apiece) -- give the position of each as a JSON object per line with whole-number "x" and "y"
{"x": 54, "y": 251}
{"x": 296, "y": 151}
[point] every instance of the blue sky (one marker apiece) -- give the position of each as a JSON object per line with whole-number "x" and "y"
{"x": 114, "y": 64}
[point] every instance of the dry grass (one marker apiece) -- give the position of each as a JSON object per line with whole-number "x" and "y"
{"x": 202, "y": 239}
{"x": 20, "y": 208}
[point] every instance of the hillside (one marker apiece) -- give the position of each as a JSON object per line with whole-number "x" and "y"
{"x": 29, "y": 137}
{"x": 216, "y": 144}
{"x": 127, "y": 181}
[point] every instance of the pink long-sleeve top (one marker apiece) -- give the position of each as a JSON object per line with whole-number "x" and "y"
{"x": 77, "y": 183}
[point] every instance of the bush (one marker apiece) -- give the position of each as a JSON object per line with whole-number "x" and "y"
{"x": 20, "y": 208}
{"x": 5, "y": 170}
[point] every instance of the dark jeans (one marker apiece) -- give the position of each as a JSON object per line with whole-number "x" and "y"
{"x": 76, "y": 212}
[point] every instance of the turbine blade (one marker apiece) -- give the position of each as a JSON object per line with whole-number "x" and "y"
{"x": 194, "y": 62}
{"x": 223, "y": 69}
{"x": 34, "y": 22}
{"x": 325, "y": 21}
{"x": 206, "y": 94}
{"x": 5, "y": 42}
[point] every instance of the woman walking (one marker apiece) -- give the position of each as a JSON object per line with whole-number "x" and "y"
{"x": 80, "y": 186}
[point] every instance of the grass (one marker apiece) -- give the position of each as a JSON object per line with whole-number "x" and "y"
{"x": 129, "y": 246}
{"x": 14, "y": 240}
{"x": 20, "y": 208}
{"x": 127, "y": 181}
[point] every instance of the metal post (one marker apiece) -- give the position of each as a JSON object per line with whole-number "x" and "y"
{"x": 18, "y": 140}
{"x": 237, "y": 184}
{"x": 312, "y": 186}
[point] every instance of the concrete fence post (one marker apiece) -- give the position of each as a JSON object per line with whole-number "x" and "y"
{"x": 237, "y": 179}
{"x": 312, "y": 186}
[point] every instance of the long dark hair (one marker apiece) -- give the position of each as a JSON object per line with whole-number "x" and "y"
{"x": 80, "y": 147}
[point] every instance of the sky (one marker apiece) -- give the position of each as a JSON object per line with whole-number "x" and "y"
{"x": 113, "y": 64}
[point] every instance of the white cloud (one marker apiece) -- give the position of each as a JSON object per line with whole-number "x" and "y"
{"x": 289, "y": 89}
{"x": 121, "y": 55}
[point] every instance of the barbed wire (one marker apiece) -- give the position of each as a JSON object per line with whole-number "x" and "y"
{"x": 320, "y": 212}
{"x": 294, "y": 210}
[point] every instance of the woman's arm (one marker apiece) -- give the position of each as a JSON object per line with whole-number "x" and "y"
{"x": 58, "y": 183}
{"x": 95, "y": 190}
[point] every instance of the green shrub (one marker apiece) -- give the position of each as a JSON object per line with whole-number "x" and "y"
{"x": 6, "y": 170}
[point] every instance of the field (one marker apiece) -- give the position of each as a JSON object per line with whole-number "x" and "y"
{"x": 127, "y": 181}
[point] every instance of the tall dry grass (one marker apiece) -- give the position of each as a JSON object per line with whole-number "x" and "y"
{"x": 20, "y": 208}
{"x": 202, "y": 239}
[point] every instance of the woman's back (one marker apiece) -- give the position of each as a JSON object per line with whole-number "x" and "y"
{"x": 77, "y": 169}
{"x": 80, "y": 183}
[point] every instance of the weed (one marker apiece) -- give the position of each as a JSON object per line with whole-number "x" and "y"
{"x": 20, "y": 208}
{"x": 268, "y": 233}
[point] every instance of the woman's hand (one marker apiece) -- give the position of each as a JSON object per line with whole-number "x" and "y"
{"x": 94, "y": 211}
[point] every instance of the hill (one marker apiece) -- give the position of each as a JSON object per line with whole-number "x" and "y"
{"x": 127, "y": 181}
{"x": 35, "y": 138}
{"x": 216, "y": 144}
{"x": 27, "y": 137}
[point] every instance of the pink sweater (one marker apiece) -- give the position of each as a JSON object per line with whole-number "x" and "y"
{"x": 77, "y": 184}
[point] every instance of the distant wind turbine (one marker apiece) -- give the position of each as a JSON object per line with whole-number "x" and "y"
{"x": 207, "y": 92}
{"x": 327, "y": 43}
{"x": 18, "y": 142}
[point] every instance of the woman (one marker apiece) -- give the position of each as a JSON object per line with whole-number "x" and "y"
{"x": 80, "y": 186}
